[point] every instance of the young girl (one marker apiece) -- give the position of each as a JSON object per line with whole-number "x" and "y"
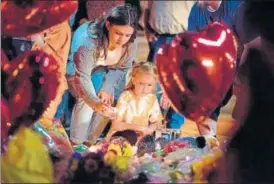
{"x": 138, "y": 108}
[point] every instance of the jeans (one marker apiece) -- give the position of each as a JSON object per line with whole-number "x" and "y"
{"x": 89, "y": 128}
{"x": 174, "y": 120}
{"x": 68, "y": 101}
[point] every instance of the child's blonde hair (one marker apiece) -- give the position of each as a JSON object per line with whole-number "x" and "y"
{"x": 141, "y": 67}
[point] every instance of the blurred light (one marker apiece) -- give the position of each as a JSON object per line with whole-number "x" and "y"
{"x": 33, "y": 12}
{"x": 42, "y": 80}
{"x": 21, "y": 65}
{"x": 15, "y": 72}
{"x": 37, "y": 59}
{"x": 207, "y": 63}
{"x": 229, "y": 57}
{"x": 46, "y": 62}
{"x": 213, "y": 43}
{"x": 160, "y": 51}
{"x": 93, "y": 149}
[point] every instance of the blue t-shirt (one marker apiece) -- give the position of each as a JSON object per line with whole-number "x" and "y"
{"x": 200, "y": 17}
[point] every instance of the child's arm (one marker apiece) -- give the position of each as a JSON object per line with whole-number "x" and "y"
{"x": 156, "y": 117}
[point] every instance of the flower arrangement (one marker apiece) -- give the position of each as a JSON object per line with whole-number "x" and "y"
{"x": 118, "y": 153}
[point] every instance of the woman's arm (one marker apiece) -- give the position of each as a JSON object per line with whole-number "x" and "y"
{"x": 84, "y": 63}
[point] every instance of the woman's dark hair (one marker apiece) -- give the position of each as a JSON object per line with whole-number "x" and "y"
{"x": 253, "y": 142}
{"x": 120, "y": 15}
{"x": 259, "y": 14}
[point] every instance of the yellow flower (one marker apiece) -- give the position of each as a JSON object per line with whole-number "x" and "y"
{"x": 197, "y": 166}
{"x": 110, "y": 158}
{"x": 116, "y": 148}
{"x": 121, "y": 163}
{"x": 127, "y": 150}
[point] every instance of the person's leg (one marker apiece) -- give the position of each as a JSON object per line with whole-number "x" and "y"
{"x": 82, "y": 115}
{"x": 95, "y": 120}
{"x": 80, "y": 121}
{"x": 61, "y": 108}
{"x": 96, "y": 128}
{"x": 158, "y": 43}
{"x": 151, "y": 51}
{"x": 175, "y": 120}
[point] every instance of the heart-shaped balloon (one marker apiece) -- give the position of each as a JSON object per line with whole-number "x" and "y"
{"x": 29, "y": 83}
{"x": 26, "y": 17}
{"x": 196, "y": 69}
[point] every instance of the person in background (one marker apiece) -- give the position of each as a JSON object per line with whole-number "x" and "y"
{"x": 137, "y": 107}
{"x": 55, "y": 41}
{"x": 257, "y": 17}
{"x": 202, "y": 13}
{"x": 250, "y": 152}
{"x": 249, "y": 155}
{"x": 80, "y": 15}
{"x": 162, "y": 21}
{"x": 108, "y": 42}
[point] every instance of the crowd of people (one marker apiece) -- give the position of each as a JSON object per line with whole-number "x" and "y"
{"x": 103, "y": 89}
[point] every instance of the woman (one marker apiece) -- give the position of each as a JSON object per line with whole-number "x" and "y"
{"x": 55, "y": 41}
{"x": 107, "y": 42}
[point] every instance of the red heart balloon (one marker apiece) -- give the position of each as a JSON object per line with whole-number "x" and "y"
{"x": 26, "y": 17}
{"x": 196, "y": 69}
{"x": 29, "y": 84}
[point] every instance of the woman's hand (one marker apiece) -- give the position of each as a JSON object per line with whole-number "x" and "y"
{"x": 106, "y": 97}
{"x": 164, "y": 101}
{"x": 110, "y": 112}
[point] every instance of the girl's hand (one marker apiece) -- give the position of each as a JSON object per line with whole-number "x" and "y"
{"x": 148, "y": 130}
{"x": 106, "y": 97}
{"x": 110, "y": 112}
